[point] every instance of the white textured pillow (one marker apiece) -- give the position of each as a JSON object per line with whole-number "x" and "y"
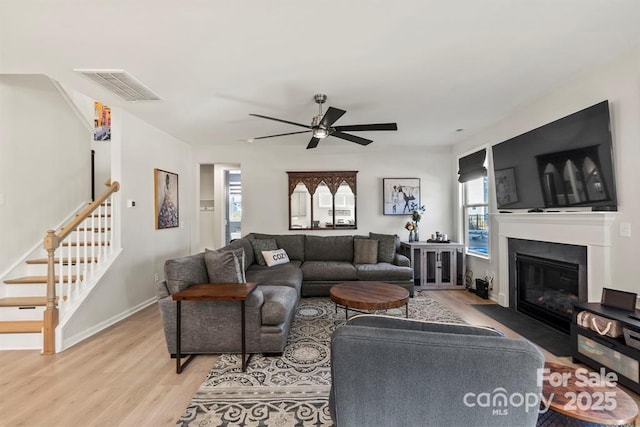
{"x": 279, "y": 256}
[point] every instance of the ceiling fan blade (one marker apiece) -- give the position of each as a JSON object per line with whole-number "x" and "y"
{"x": 282, "y": 134}
{"x": 313, "y": 143}
{"x": 352, "y": 138}
{"x": 331, "y": 116}
{"x": 280, "y": 120}
{"x": 373, "y": 126}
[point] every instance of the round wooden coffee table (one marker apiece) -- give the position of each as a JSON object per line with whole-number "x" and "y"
{"x": 369, "y": 296}
{"x": 576, "y": 397}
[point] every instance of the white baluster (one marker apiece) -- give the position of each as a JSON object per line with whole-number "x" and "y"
{"x": 70, "y": 287}
{"x": 110, "y": 230}
{"x": 93, "y": 243}
{"x": 78, "y": 280}
{"x": 99, "y": 249}
{"x": 84, "y": 250}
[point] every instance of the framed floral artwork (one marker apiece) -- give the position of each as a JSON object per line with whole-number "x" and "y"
{"x": 166, "y": 199}
{"x": 400, "y": 196}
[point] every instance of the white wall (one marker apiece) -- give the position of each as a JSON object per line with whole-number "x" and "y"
{"x": 102, "y": 149}
{"x": 265, "y": 183}
{"x": 619, "y": 82}
{"x": 45, "y": 157}
{"x": 138, "y": 148}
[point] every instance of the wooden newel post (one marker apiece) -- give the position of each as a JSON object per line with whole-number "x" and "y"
{"x": 51, "y": 243}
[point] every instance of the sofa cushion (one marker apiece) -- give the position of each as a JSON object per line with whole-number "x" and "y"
{"x": 329, "y": 270}
{"x": 365, "y": 251}
{"x": 180, "y": 273}
{"x": 279, "y": 302}
{"x": 225, "y": 266}
{"x": 244, "y": 243}
{"x": 260, "y": 245}
{"x": 328, "y": 248}
{"x": 284, "y": 275}
{"x": 277, "y": 257}
{"x": 386, "y": 246}
{"x": 383, "y": 271}
{"x": 292, "y": 243}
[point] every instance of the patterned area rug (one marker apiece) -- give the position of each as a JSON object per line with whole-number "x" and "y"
{"x": 292, "y": 390}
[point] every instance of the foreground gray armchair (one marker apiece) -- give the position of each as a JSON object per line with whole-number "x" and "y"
{"x": 400, "y": 372}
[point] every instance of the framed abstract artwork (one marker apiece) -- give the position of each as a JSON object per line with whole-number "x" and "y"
{"x": 102, "y": 122}
{"x": 166, "y": 199}
{"x": 400, "y": 196}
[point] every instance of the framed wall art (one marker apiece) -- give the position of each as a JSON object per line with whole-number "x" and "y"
{"x": 506, "y": 190}
{"x": 166, "y": 199}
{"x": 102, "y": 122}
{"x": 400, "y": 196}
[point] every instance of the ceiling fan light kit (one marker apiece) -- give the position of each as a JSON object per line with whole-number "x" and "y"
{"x": 322, "y": 125}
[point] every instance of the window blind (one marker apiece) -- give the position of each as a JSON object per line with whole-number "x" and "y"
{"x": 472, "y": 166}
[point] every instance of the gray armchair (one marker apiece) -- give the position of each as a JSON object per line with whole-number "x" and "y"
{"x": 391, "y": 372}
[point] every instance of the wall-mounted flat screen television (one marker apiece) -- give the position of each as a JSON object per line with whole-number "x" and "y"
{"x": 563, "y": 164}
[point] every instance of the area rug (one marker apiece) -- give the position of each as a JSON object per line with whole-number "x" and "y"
{"x": 292, "y": 390}
{"x": 535, "y": 331}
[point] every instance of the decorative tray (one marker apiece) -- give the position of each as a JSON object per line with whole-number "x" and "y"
{"x": 438, "y": 241}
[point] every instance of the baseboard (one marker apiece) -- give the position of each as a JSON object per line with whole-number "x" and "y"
{"x": 66, "y": 343}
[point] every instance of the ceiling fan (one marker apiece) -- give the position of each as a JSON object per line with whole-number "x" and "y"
{"x": 322, "y": 125}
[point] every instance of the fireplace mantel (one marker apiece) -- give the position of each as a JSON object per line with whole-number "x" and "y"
{"x": 590, "y": 229}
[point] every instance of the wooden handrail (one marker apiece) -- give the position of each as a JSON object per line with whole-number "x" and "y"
{"x": 84, "y": 213}
{"x": 52, "y": 241}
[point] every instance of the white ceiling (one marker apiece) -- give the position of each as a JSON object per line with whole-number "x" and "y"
{"x": 432, "y": 66}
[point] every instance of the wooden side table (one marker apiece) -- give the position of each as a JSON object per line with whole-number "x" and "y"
{"x": 576, "y": 398}
{"x": 212, "y": 292}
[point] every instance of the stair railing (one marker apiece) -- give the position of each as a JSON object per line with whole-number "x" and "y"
{"x": 93, "y": 244}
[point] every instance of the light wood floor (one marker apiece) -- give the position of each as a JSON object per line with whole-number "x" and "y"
{"x": 123, "y": 376}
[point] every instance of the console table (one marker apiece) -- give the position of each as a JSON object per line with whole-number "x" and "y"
{"x": 436, "y": 265}
{"x": 599, "y": 351}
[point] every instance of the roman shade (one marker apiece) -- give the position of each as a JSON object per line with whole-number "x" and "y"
{"x": 472, "y": 166}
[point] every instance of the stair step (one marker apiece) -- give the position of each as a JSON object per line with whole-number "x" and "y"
{"x": 40, "y": 301}
{"x": 37, "y": 279}
{"x": 65, "y": 261}
{"x": 85, "y": 244}
{"x": 21, "y": 327}
{"x": 23, "y": 302}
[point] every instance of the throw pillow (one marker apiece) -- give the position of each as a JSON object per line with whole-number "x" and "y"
{"x": 225, "y": 266}
{"x": 279, "y": 256}
{"x": 365, "y": 251}
{"x": 386, "y": 246}
{"x": 260, "y": 245}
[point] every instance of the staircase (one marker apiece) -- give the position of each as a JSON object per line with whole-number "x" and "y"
{"x": 57, "y": 276}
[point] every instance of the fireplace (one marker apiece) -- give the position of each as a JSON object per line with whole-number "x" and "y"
{"x": 546, "y": 278}
{"x": 547, "y": 289}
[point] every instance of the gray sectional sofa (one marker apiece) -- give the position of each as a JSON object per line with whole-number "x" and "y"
{"x": 316, "y": 263}
{"x": 322, "y": 261}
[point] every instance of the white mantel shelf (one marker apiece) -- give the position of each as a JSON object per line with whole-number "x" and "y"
{"x": 590, "y": 229}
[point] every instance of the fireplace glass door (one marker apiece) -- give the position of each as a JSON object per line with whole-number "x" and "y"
{"x": 547, "y": 289}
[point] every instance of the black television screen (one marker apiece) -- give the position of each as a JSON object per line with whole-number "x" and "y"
{"x": 565, "y": 163}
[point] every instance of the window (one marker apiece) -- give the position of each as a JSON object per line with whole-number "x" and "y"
{"x": 476, "y": 215}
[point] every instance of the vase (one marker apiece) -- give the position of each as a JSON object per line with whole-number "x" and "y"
{"x": 416, "y": 238}
{"x": 411, "y": 236}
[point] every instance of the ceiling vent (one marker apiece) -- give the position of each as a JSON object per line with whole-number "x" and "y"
{"x": 122, "y": 84}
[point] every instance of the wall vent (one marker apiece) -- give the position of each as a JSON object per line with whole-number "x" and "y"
{"x": 121, "y": 83}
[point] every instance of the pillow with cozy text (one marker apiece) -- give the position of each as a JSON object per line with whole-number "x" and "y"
{"x": 279, "y": 256}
